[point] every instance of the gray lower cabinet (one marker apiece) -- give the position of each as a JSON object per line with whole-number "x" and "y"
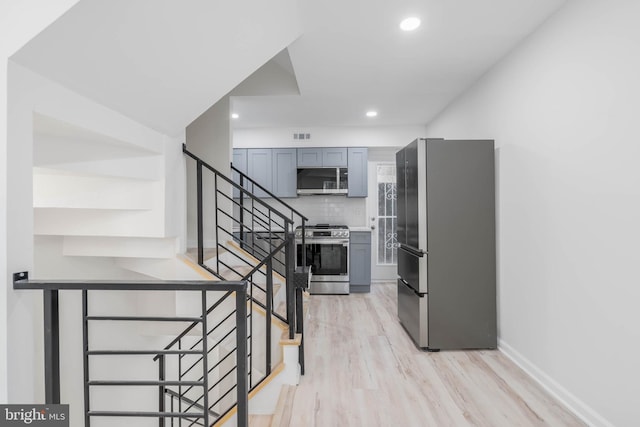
{"x": 284, "y": 172}
{"x": 359, "y": 261}
{"x": 358, "y": 181}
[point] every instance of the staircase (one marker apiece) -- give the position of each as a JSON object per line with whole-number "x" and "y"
{"x": 97, "y": 196}
{"x": 99, "y": 212}
{"x": 248, "y": 239}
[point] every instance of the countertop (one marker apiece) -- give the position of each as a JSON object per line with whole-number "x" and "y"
{"x": 360, "y": 229}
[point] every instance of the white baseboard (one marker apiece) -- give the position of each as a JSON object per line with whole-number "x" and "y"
{"x": 568, "y": 399}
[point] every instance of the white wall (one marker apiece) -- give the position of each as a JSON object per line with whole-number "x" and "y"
{"x": 373, "y": 136}
{"x": 563, "y": 109}
{"x": 382, "y": 141}
{"x": 209, "y": 138}
{"x": 175, "y": 198}
{"x": 30, "y": 93}
{"x": 18, "y": 24}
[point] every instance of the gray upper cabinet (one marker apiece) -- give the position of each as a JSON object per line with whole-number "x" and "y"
{"x": 284, "y": 172}
{"x": 358, "y": 183}
{"x": 327, "y": 157}
{"x": 334, "y": 157}
{"x": 309, "y": 157}
{"x": 259, "y": 168}
{"x": 240, "y": 163}
{"x": 275, "y": 168}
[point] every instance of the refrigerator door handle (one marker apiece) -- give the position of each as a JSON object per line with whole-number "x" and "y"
{"x": 417, "y": 252}
{"x": 409, "y": 287}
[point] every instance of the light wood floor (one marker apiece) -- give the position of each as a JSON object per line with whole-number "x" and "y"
{"x": 363, "y": 370}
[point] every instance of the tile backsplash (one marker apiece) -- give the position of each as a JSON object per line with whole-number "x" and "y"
{"x": 332, "y": 209}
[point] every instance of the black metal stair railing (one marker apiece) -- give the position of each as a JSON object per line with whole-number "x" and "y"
{"x": 248, "y": 221}
{"x": 247, "y": 205}
{"x": 94, "y": 350}
{"x": 221, "y": 388}
{"x": 300, "y": 274}
{"x": 245, "y": 239}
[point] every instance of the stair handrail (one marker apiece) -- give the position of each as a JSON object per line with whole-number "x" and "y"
{"x": 235, "y": 185}
{"x": 253, "y": 211}
{"x": 246, "y": 177}
{"x": 51, "y": 316}
{"x": 267, "y": 261}
{"x": 220, "y": 301}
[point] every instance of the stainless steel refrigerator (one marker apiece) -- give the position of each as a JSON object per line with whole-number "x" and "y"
{"x": 446, "y": 236}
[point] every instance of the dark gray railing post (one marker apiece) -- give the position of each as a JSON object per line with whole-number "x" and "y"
{"x": 216, "y": 210}
{"x": 241, "y": 212}
{"x": 51, "y": 346}
{"x": 161, "y": 377}
{"x": 200, "y": 214}
{"x": 85, "y": 351}
{"x": 269, "y": 304}
{"x": 180, "y": 386}
{"x": 241, "y": 353}
{"x": 205, "y": 360}
{"x": 290, "y": 255}
{"x": 303, "y": 261}
{"x": 300, "y": 328}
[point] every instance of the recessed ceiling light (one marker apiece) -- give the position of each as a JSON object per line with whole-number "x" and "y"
{"x": 235, "y": 115}
{"x": 410, "y": 24}
{"x": 372, "y": 113}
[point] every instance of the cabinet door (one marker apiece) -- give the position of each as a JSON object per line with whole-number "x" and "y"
{"x": 240, "y": 163}
{"x": 358, "y": 185}
{"x": 309, "y": 157}
{"x": 259, "y": 169}
{"x": 284, "y": 172}
{"x": 334, "y": 157}
{"x": 360, "y": 261}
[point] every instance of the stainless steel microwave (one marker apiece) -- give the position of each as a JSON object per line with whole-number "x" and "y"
{"x": 322, "y": 181}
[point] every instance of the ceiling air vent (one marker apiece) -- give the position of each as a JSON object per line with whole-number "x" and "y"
{"x": 301, "y": 136}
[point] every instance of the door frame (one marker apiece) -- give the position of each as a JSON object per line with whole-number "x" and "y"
{"x": 379, "y": 272}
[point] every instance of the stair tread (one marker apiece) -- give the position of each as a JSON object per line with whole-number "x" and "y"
{"x": 209, "y": 253}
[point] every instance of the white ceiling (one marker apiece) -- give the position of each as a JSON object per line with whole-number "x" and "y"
{"x": 353, "y": 57}
{"x": 163, "y": 62}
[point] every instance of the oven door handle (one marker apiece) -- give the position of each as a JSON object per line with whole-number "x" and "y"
{"x": 324, "y": 242}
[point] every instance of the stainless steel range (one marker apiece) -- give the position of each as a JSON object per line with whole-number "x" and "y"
{"x": 327, "y": 252}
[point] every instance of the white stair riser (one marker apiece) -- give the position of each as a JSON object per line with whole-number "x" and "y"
{"x": 162, "y": 269}
{"x": 90, "y": 222}
{"x": 69, "y": 191}
{"x": 144, "y": 168}
{"x": 120, "y": 247}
